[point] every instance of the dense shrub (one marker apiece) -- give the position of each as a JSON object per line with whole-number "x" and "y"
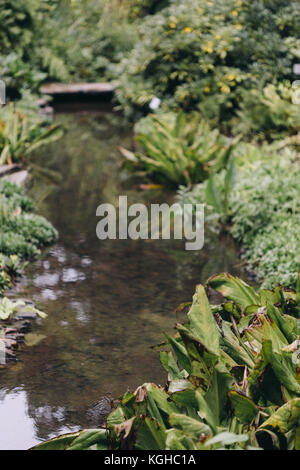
{"x": 18, "y": 45}
{"x": 199, "y": 54}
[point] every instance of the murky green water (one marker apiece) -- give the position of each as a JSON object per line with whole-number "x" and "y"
{"x": 107, "y": 301}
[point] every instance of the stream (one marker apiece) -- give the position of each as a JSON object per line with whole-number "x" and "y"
{"x": 107, "y": 301}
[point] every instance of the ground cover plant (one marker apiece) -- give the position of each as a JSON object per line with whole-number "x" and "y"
{"x": 176, "y": 149}
{"x": 22, "y": 232}
{"x": 262, "y": 193}
{"x": 233, "y": 379}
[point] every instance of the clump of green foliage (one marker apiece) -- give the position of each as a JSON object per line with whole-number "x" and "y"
{"x": 270, "y": 113}
{"x": 177, "y": 149}
{"x": 21, "y": 134}
{"x": 61, "y": 40}
{"x": 265, "y": 216}
{"x": 204, "y": 55}
{"x": 10, "y": 267}
{"x": 22, "y": 232}
{"x": 233, "y": 381}
{"x": 9, "y": 308}
{"x": 262, "y": 194}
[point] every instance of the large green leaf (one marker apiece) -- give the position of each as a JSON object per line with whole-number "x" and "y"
{"x": 83, "y": 440}
{"x": 243, "y": 407}
{"x": 216, "y": 395}
{"x": 178, "y": 440}
{"x": 194, "y": 428}
{"x": 180, "y": 352}
{"x": 149, "y": 435}
{"x": 234, "y": 289}
{"x": 285, "y": 418}
{"x": 206, "y": 412}
{"x": 213, "y": 195}
{"x": 202, "y": 322}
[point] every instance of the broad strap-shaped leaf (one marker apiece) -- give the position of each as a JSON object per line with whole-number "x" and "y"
{"x": 285, "y": 418}
{"x": 178, "y": 440}
{"x": 235, "y": 289}
{"x": 150, "y": 435}
{"x": 203, "y": 362}
{"x": 181, "y": 353}
{"x": 216, "y": 396}
{"x": 289, "y": 326}
{"x": 205, "y": 412}
{"x": 243, "y": 407}
{"x": 160, "y": 398}
{"x": 169, "y": 363}
{"x": 213, "y": 196}
{"x": 227, "y": 438}
{"x": 83, "y": 440}
{"x": 193, "y": 427}
{"x": 202, "y": 322}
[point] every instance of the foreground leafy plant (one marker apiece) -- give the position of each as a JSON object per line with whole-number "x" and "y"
{"x": 178, "y": 149}
{"x": 233, "y": 381}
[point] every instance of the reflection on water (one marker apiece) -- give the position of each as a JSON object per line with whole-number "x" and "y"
{"x": 107, "y": 301}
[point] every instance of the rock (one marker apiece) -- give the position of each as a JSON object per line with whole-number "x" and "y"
{"x": 10, "y": 355}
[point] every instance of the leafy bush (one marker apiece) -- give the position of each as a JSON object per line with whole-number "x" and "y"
{"x": 232, "y": 380}
{"x": 203, "y": 55}
{"x": 19, "y": 75}
{"x": 178, "y": 149}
